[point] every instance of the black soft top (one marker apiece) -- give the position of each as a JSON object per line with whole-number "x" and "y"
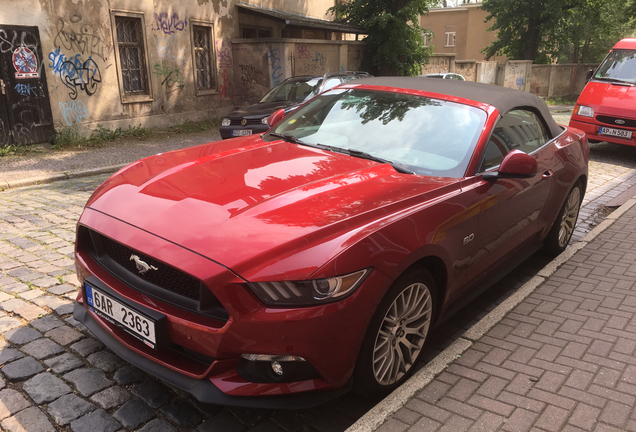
{"x": 502, "y": 98}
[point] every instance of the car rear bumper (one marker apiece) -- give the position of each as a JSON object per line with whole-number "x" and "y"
{"x": 591, "y": 129}
{"x": 202, "y": 389}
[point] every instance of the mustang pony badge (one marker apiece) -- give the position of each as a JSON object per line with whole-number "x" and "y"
{"x": 142, "y": 267}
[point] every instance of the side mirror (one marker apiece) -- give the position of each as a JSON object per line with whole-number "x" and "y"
{"x": 276, "y": 117}
{"x": 588, "y": 75}
{"x": 516, "y": 164}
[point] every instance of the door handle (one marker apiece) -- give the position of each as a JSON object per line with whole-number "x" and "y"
{"x": 547, "y": 174}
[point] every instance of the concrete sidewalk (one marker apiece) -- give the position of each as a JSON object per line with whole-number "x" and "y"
{"x": 49, "y": 165}
{"x": 558, "y": 355}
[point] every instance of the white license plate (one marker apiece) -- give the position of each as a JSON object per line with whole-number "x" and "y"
{"x": 615, "y": 132}
{"x": 241, "y": 132}
{"x": 121, "y": 315}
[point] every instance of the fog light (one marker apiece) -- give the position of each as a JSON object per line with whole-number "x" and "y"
{"x": 226, "y": 122}
{"x": 267, "y": 368}
{"x": 264, "y": 120}
{"x": 277, "y": 368}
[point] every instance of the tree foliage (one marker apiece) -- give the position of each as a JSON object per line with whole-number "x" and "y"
{"x": 394, "y": 45}
{"x": 564, "y": 30}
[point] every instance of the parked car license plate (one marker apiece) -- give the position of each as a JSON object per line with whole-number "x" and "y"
{"x": 241, "y": 132}
{"x": 121, "y": 315}
{"x": 615, "y": 132}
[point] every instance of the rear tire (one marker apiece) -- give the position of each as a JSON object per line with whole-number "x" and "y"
{"x": 396, "y": 335}
{"x": 563, "y": 227}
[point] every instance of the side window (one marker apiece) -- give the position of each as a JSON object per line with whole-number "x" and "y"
{"x": 203, "y": 55}
{"x": 516, "y": 130}
{"x": 331, "y": 83}
{"x": 131, "y": 56}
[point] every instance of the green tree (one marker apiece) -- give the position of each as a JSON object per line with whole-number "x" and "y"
{"x": 394, "y": 45}
{"x": 591, "y": 29}
{"x": 524, "y": 26}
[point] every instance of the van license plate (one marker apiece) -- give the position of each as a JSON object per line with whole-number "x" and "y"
{"x": 140, "y": 326}
{"x": 615, "y": 132}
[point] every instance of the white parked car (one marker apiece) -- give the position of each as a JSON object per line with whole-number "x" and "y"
{"x": 449, "y": 75}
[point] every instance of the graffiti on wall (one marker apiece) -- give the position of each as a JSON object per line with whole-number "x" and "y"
{"x": 275, "y": 66}
{"x": 76, "y": 36}
{"x": 303, "y": 51}
{"x": 249, "y": 75}
{"x": 226, "y": 89}
{"x": 169, "y": 23}
{"x": 75, "y": 111}
{"x": 74, "y": 73}
{"x": 172, "y": 78}
{"x": 224, "y": 54}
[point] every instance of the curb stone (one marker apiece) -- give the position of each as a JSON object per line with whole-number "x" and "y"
{"x": 57, "y": 177}
{"x": 382, "y": 411}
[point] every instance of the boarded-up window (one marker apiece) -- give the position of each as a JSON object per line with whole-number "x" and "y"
{"x": 205, "y": 76}
{"x": 131, "y": 55}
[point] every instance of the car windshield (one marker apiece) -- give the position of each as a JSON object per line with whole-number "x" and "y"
{"x": 419, "y": 134}
{"x": 296, "y": 91}
{"x": 618, "y": 66}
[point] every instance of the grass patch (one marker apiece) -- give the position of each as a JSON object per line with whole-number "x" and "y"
{"x": 14, "y": 150}
{"x": 193, "y": 127}
{"x": 561, "y": 100}
{"x": 69, "y": 138}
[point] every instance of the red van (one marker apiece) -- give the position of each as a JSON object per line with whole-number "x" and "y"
{"x": 606, "y": 109}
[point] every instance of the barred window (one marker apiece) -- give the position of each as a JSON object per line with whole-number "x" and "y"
{"x": 205, "y": 77}
{"x": 131, "y": 55}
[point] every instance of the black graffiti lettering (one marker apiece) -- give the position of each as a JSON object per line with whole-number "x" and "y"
{"x": 249, "y": 75}
{"x": 86, "y": 42}
{"x": 87, "y": 77}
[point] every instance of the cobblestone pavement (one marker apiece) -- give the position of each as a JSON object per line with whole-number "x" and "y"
{"x": 55, "y": 377}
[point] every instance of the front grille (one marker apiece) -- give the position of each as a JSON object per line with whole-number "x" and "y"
{"x": 165, "y": 276}
{"x": 250, "y": 122}
{"x": 167, "y": 283}
{"x": 612, "y": 121}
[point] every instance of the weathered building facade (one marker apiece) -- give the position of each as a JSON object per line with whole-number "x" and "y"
{"x": 122, "y": 63}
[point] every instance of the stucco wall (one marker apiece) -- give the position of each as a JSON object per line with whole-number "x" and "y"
{"x": 78, "y": 39}
{"x": 471, "y": 31}
{"x": 559, "y": 80}
{"x": 439, "y": 63}
{"x": 282, "y": 58}
{"x": 467, "y": 69}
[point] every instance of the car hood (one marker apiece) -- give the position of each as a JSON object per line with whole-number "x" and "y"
{"x": 249, "y": 204}
{"x": 610, "y": 99}
{"x": 260, "y": 109}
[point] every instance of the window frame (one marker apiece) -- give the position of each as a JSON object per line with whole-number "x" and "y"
{"x": 214, "y": 89}
{"x": 258, "y": 29}
{"x": 447, "y": 35}
{"x": 127, "y": 98}
{"x": 541, "y": 122}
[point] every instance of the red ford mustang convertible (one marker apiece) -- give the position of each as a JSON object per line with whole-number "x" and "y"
{"x": 287, "y": 268}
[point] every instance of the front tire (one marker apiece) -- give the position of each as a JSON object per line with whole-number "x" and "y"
{"x": 563, "y": 228}
{"x": 397, "y": 333}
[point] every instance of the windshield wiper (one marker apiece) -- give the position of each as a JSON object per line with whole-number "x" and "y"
{"x": 289, "y": 138}
{"x": 615, "y": 81}
{"x": 364, "y": 155}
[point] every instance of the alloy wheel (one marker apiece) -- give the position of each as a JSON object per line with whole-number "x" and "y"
{"x": 570, "y": 214}
{"x": 402, "y": 334}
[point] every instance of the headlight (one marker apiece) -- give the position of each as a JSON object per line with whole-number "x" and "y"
{"x": 264, "y": 120}
{"x": 585, "y": 111}
{"x": 225, "y": 122}
{"x": 310, "y": 292}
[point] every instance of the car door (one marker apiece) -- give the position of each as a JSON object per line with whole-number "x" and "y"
{"x": 510, "y": 208}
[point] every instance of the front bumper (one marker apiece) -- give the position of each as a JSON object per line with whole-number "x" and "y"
{"x": 229, "y": 131}
{"x": 591, "y": 131}
{"x": 203, "y": 351}
{"x": 202, "y": 389}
